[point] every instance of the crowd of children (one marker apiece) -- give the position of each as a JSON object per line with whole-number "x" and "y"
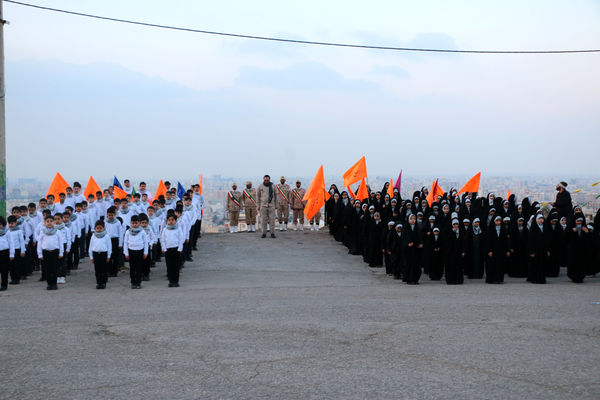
{"x": 55, "y": 237}
{"x": 454, "y": 235}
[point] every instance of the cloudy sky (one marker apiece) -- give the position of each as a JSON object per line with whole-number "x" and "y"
{"x": 87, "y": 97}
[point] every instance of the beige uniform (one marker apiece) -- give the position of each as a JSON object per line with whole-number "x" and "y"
{"x": 266, "y": 208}
{"x": 316, "y": 220}
{"x": 250, "y": 204}
{"x": 232, "y": 207}
{"x": 283, "y": 202}
{"x": 297, "y": 204}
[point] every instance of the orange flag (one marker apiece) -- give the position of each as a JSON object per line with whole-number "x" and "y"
{"x": 91, "y": 188}
{"x": 200, "y": 183}
{"x": 435, "y": 191}
{"x": 316, "y": 195}
{"x": 356, "y": 172}
{"x": 162, "y": 190}
{"x": 119, "y": 193}
{"x": 390, "y": 190}
{"x": 508, "y": 194}
{"x": 58, "y": 185}
{"x": 351, "y": 193}
{"x": 472, "y": 184}
{"x": 362, "y": 192}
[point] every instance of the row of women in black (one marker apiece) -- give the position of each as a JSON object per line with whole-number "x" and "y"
{"x": 464, "y": 235}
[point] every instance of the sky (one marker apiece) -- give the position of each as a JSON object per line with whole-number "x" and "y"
{"x": 87, "y": 97}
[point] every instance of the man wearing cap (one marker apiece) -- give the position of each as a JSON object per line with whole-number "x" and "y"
{"x": 234, "y": 205}
{"x": 297, "y": 205}
{"x": 563, "y": 201}
{"x": 283, "y": 203}
{"x": 266, "y": 197}
{"x": 249, "y": 204}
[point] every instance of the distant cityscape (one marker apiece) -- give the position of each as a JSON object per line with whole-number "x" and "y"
{"x": 215, "y": 187}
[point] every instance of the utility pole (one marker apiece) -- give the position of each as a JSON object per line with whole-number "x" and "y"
{"x": 2, "y": 119}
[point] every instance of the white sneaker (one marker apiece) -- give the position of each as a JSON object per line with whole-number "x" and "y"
{"x": 301, "y": 227}
{"x": 285, "y": 227}
{"x": 61, "y": 280}
{"x": 295, "y": 227}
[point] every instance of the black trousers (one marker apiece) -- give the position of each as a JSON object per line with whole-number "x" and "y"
{"x": 50, "y": 264}
{"x": 136, "y": 261}
{"x": 67, "y": 262}
{"x": 88, "y": 239}
{"x": 82, "y": 242}
{"x": 75, "y": 251}
{"x": 172, "y": 257}
{"x": 16, "y": 267}
{"x": 4, "y": 267}
{"x": 113, "y": 266}
{"x": 30, "y": 258}
{"x": 101, "y": 267}
{"x": 146, "y": 264}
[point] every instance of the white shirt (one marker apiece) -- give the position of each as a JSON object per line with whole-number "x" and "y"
{"x": 135, "y": 242}
{"x": 115, "y": 230}
{"x": 60, "y": 208}
{"x": 49, "y": 242}
{"x": 198, "y": 201}
{"x": 17, "y": 239}
{"x": 7, "y": 244}
{"x": 100, "y": 245}
{"x": 170, "y": 238}
{"x": 65, "y": 233}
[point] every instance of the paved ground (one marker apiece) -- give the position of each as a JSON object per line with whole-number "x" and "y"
{"x": 297, "y": 318}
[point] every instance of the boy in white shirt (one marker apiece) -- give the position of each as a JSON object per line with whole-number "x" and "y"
{"x": 147, "y": 264}
{"x": 50, "y": 251}
{"x": 115, "y": 231}
{"x": 65, "y": 234}
{"x": 15, "y": 235}
{"x": 100, "y": 252}
{"x": 171, "y": 240}
{"x": 7, "y": 254}
{"x": 135, "y": 249}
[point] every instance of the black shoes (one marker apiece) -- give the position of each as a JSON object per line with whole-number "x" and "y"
{"x": 173, "y": 284}
{"x": 52, "y": 287}
{"x": 273, "y": 235}
{"x": 146, "y": 278}
{"x": 101, "y": 286}
{"x": 14, "y": 282}
{"x": 264, "y": 235}
{"x": 136, "y": 286}
{"x": 3, "y": 288}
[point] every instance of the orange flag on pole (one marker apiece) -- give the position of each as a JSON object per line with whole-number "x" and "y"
{"x": 58, "y": 185}
{"x": 362, "y": 192}
{"x": 351, "y": 193}
{"x": 91, "y": 188}
{"x": 508, "y": 194}
{"x": 472, "y": 184}
{"x": 200, "y": 184}
{"x": 390, "y": 189}
{"x": 119, "y": 193}
{"x": 435, "y": 191}
{"x": 162, "y": 190}
{"x": 316, "y": 195}
{"x": 356, "y": 172}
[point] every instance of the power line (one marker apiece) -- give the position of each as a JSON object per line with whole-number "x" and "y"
{"x": 308, "y": 42}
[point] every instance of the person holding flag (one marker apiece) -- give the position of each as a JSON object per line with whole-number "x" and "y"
{"x": 234, "y": 205}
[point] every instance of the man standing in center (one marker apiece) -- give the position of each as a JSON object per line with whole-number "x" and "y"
{"x": 283, "y": 204}
{"x": 234, "y": 205}
{"x": 297, "y": 205}
{"x": 249, "y": 204}
{"x": 266, "y": 198}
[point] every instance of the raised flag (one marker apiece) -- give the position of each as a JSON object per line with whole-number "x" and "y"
{"x": 119, "y": 193}
{"x": 91, "y": 188}
{"x": 180, "y": 191}
{"x": 351, "y": 193}
{"x": 117, "y": 183}
{"x": 316, "y": 195}
{"x": 362, "y": 192}
{"x": 356, "y": 172}
{"x": 390, "y": 189}
{"x": 58, "y": 185}
{"x": 472, "y": 184}
{"x": 508, "y": 194}
{"x": 435, "y": 191}
{"x": 160, "y": 190}
{"x": 200, "y": 184}
{"x": 398, "y": 184}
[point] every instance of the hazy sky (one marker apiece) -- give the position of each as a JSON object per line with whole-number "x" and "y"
{"x": 92, "y": 97}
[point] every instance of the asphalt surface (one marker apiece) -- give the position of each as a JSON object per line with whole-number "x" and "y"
{"x": 297, "y": 318}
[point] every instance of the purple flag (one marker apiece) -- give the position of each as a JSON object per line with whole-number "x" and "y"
{"x": 398, "y": 183}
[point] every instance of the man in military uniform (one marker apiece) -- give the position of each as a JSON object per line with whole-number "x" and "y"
{"x": 315, "y": 221}
{"x": 249, "y": 204}
{"x": 234, "y": 205}
{"x": 283, "y": 203}
{"x": 266, "y": 197}
{"x": 297, "y": 205}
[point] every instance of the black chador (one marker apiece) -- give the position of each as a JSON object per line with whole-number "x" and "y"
{"x": 454, "y": 257}
{"x": 385, "y": 240}
{"x": 578, "y": 252}
{"x": 519, "y": 243}
{"x": 435, "y": 250}
{"x": 373, "y": 248}
{"x": 412, "y": 265}
{"x": 497, "y": 249}
{"x": 552, "y": 265}
{"x": 474, "y": 263}
{"x": 538, "y": 251}
{"x": 396, "y": 246}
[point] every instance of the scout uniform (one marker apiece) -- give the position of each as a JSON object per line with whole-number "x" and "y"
{"x": 234, "y": 205}
{"x": 249, "y": 204}
{"x": 297, "y": 204}
{"x": 283, "y": 201}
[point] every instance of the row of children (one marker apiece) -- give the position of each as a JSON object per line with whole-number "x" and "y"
{"x": 56, "y": 237}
